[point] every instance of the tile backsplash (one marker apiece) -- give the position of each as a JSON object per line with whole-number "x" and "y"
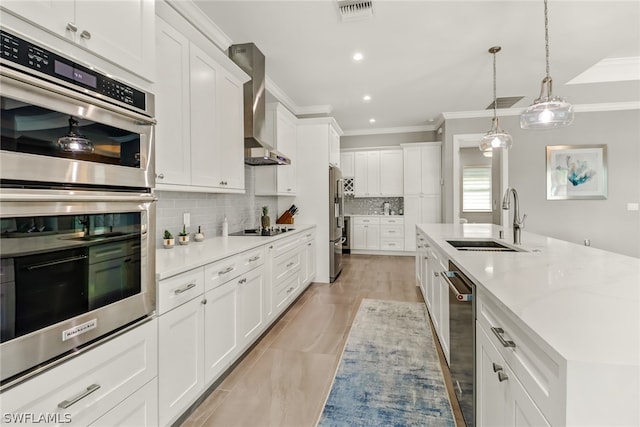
{"x": 371, "y": 205}
{"x": 208, "y": 210}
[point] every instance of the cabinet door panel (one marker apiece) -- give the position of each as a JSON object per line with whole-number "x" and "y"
{"x": 54, "y": 15}
{"x": 139, "y": 409}
{"x": 173, "y": 161}
{"x": 250, "y": 294}
{"x": 373, "y": 173}
{"x": 221, "y": 329}
{"x": 347, "y": 164}
{"x": 130, "y": 43}
{"x": 372, "y": 237}
{"x": 430, "y": 167}
{"x": 359, "y": 238}
{"x": 412, "y": 216}
{"x": 430, "y": 209}
{"x": 391, "y": 175}
{"x": 412, "y": 170}
{"x": 492, "y": 395}
{"x": 205, "y": 150}
{"x": 180, "y": 355}
{"x": 360, "y": 174}
{"x": 229, "y": 122}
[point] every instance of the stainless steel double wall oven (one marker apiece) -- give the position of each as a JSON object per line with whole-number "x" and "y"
{"x": 77, "y": 211}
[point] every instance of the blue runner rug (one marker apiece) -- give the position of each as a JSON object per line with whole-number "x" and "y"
{"x": 389, "y": 374}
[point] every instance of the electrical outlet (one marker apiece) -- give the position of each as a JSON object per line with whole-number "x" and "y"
{"x": 632, "y": 206}
{"x": 186, "y": 219}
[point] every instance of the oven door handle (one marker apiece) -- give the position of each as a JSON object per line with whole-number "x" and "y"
{"x": 56, "y": 262}
{"x": 462, "y": 297}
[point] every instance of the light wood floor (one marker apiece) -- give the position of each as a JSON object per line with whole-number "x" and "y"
{"x": 284, "y": 380}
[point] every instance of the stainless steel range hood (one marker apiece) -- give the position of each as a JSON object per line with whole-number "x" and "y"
{"x": 257, "y": 150}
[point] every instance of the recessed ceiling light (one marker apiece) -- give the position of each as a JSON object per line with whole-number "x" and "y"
{"x": 372, "y": 120}
{"x": 358, "y": 56}
{"x": 366, "y": 98}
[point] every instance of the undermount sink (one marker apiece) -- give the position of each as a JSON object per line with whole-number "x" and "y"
{"x": 481, "y": 245}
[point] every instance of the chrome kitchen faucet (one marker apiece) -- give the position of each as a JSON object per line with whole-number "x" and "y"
{"x": 518, "y": 224}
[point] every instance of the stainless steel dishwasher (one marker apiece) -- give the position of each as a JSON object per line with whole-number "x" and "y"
{"x": 462, "y": 316}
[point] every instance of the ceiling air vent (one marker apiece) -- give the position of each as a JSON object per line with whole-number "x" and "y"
{"x": 506, "y": 102}
{"x": 354, "y": 10}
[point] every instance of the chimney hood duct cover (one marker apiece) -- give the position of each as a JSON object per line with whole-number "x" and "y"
{"x": 257, "y": 151}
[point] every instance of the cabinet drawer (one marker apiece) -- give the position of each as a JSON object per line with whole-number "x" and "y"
{"x": 392, "y": 244}
{"x": 220, "y": 272}
{"x": 286, "y": 264}
{"x": 284, "y": 245}
{"x": 251, "y": 259}
{"x": 366, "y": 220}
{"x": 140, "y": 409}
{"x": 179, "y": 289}
{"x": 284, "y": 291}
{"x": 90, "y": 384}
{"x": 392, "y": 231}
{"x": 309, "y": 236}
{"x": 386, "y": 220}
{"x": 538, "y": 372}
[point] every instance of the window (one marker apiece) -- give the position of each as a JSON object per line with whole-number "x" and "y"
{"x": 476, "y": 189}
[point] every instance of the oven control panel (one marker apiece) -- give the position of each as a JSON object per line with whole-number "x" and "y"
{"x": 53, "y": 67}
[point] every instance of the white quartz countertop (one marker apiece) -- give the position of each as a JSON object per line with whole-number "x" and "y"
{"x": 179, "y": 259}
{"x": 581, "y": 301}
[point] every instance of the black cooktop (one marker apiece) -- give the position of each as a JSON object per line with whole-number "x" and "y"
{"x": 261, "y": 232}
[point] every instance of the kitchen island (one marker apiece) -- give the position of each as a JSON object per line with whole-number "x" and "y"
{"x": 576, "y": 310}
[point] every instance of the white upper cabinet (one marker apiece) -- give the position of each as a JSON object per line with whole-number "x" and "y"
{"x": 422, "y": 169}
{"x": 378, "y": 173}
{"x": 200, "y": 130}
{"x": 334, "y": 148}
{"x": 391, "y": 175}
{"x": 90, "y": 24}
{"x": 282, "y": 129}
{"x": 347, "y": 165}
{"x": 173, "y": 141}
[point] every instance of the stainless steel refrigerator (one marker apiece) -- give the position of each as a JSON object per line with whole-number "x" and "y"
{"x": 336, "y": 224}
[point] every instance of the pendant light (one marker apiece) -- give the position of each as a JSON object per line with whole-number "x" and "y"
{"x": 547, "y": 111}
{"x": 496, "y": 137}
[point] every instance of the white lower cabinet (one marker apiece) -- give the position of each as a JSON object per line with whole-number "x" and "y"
{"x": 366, "y": 233}
{"x": 181, "y": 358}
{"x": 221, "y": 332}
{"x": 87, "y": 387}
{"x": 250, "y": 314}
{"x": 139, "y": 410}
{"x": 308, "y": 259}
{"x": 501, "y": 398}
{"x": 437, "y": 296}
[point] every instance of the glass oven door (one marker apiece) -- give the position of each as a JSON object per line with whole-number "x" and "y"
{"x": 76, "y": 266}
{"x": 52, "y": 134}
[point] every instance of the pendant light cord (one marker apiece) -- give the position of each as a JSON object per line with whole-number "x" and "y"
{"x": 495, "y": 100}
{"x": 546, "y": 35}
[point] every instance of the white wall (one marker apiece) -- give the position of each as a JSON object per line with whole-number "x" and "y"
{"x": 606, "y": 223}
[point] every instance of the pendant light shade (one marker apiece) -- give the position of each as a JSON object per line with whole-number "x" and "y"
{"x": 495, "y": 138}
{"x": 547, "y": 111}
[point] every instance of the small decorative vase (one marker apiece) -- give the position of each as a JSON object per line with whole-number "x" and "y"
{"x": 183, "y": 240}
{"x": 265, "y": 221}
{"x": 168, "y": 243}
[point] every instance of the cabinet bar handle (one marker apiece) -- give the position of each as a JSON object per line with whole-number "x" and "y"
{"x": 160, "y": 176}
{"x": 85, "y": 35}
{"x": 243, "y": 280}
{"x": 72, "y": 27}
{"x": 502, "y": 376}
{"x": 56, "y": 262}
{"x": 225, "y": 271}
{"x": 290, "y": 264}
{"x": 185, "y": 289}
{"x": 309, "y": 244}
{"x": 66, "y": 403}
{"x": 496, "y": 367}
{"x": 498, "y": 332}
{"x": 255, "y": 258}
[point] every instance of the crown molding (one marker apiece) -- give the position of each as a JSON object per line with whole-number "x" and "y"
{"x": 206, "y": 26}
{"x": 322, "y": 121}
{"x": 382, "y": 131}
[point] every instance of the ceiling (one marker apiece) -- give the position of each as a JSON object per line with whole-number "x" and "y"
{"x": 425, "y": 58}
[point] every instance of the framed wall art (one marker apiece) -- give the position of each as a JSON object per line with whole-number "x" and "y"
{"x": 576, "y": 172}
